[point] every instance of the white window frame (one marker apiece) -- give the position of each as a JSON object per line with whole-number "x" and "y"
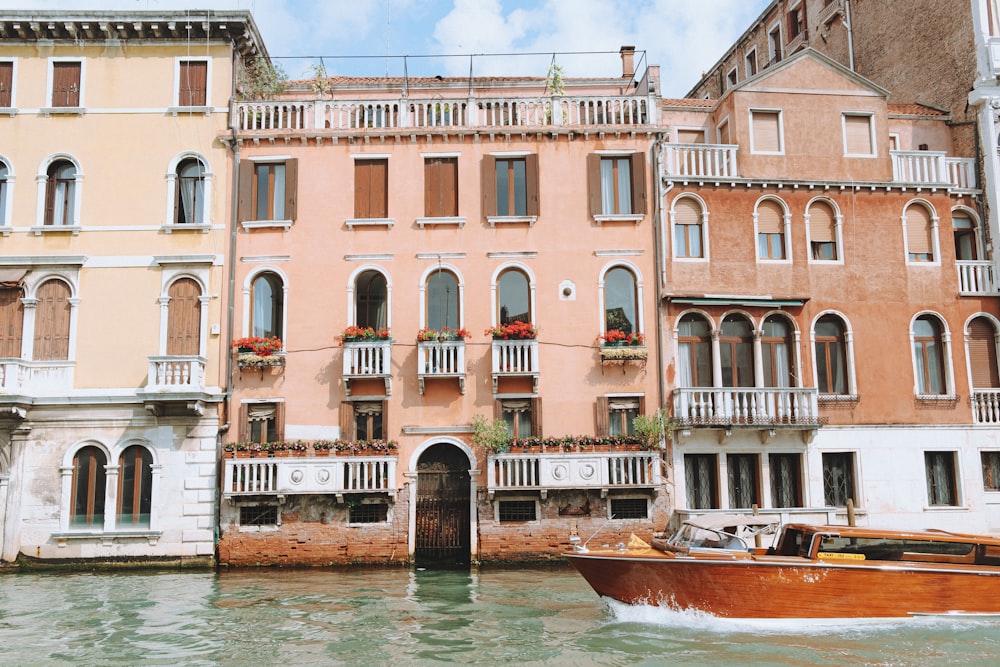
{"x": 637, "y": 276}
{"x": 948, "y": 369}
{"x": 852, "y": 378}
{"x": 771, "y": 53}
{"x": 494, "y": 288}
{"x": 718, "y": 131}
{"x": 49, "y": 81}
{"x": 496, "y": 508}
{"x": 781, "y": 130}
{"x": 6, "y": 218}
{"x": 177, "y": 82}
{"x": 672, "y": 213}
{"x": 786, "y": 217}
{"x": 732, "y": 77}
{"x": 956, "y": 479}
{"x": 284, "y": 223}
{"x": 247, "y": 290}
{"x": 369, "y": 222}
{"x": 352, "y": 282}
{"x": 751, "y": 57}
{"x": 871, "y": 132}
{"x": 41, "y": 179}
{"x": 629, "y": 496}
{"x": 838, "y": 220}
{"x": 169, "y": 223}
{"x": 172, "y": 270}
{"x": 12, "y": 109}
{"x": 426, "y": 275}
{"x": 935, "y": 243}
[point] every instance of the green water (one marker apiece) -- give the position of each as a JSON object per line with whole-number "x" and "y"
{"x": 529, "y": 616}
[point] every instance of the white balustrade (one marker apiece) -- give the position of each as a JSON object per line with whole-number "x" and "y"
{"x": 962, "y": 173}
{"x": 927, "y": 167}
{"x": 976, "y": 278}
{"x": 701, "y": 160}
{"x": 302, "y": 475}
{"x": 576, "y": 470}
{"x": 176, "y": 373}
{"x": 441, "y": 359}
{"x": 367, "y": 359}
{"x": 762, "y": 406}
{"x": 986, "y": 406}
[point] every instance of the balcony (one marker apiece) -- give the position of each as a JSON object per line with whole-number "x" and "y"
{"x": 515, "y": 358}
{"x": 368, "y": 360}
{"x": 441, "y": 360}
{"x": 175, "y": 380}
{"x": 585, "y": 470}
{"x": 21, "y": 376}
{"x": 700, "y": 160}
{"x": 934, "y": 168}
{"x": 334, "y": 475}
{"x": 758, "y": 408}
{"x": 464, "y": 113}
{"x": 985, "y": 406}
{"x": 976, "y": 278}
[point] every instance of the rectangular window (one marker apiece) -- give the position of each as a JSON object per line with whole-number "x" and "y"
{"x": 942, "y": 486}
{"x": 371, "y": 188}
{"x": 786, "y": 480}
{"x": 192, "y": 84}
{"x": 368, "y": 513}
{"x": 523, "y": 416}
{"x": 751, "y": 63}
{"x": 774, "y": 44}
{"x": 689, "y": 136}
{"x": 991, "y": 471}
{"x": 617, "y": 184}
{"x": 822, "y": 233}
{"x": 744, "y": 487}
{"x": 441, "y": 187}
{"x": 765, "y": 132}
{"x": 702, "y": 480}
{"x": 258, "y": 515}
{"x": 6, "y": 84}
{"x": 796, "y": 22}
{"x": 516, "y": 511}
{"x": 731, "y": 78}
{"x": 363, "y": 420}
{"x": 615, "y": 414}
{"x": 629, "y": 508}
{"x": 262, "y": 422}
{"x": 510, "y": 186}
{"x": 838, "y": 478}
{"x": 66, "y": 81}
{"x": 858, "y": 138}
{"x": 267, "y": 190}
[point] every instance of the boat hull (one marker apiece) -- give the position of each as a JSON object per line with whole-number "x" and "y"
{"x": 740, "y": 586}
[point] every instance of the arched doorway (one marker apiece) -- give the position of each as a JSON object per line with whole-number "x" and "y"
{"x": 443, "y": 530}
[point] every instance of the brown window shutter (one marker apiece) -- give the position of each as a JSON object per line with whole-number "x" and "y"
{"x": 440, "y": 187}
{"x": 687, "y": 212}
{"x": 245, "y": 197}
{"x": 66, "y": 84}
{"x": 193, "y": 84}
{"x": 347, "y": 420}
{"x": 536, "y": 417}
{"x": 6, "y": 83}
{"x": 385, "y": 420}
{"x": 983, "y": 354}
{"x": 766, "y": 131}
{"x": 918, "y": 231}
{"x": 858, "y": 130}
{"x": 642, "y": 405}
{"x": 601, "y": 408}
{"x": 50, "y": 197}
{"x": 244, "y": 431}
{"x": 279, "y": 421}
{"x": 531, "y": 184}
{"x": 11, "y": 322}
{"x": 498, "y": 409}
{"x": 489, "y": 177}
{"x": 291, "y": 188}
{"x": 822, "y": 224}
{"x": 362, "y": 186}
{"x": 380, "y": 189}
{"x": 638, "y": 164}
{"x": 184, "y": 318}
{"x": 770, "y": 218}
{"x": 432, "y": 187}
{"x": 594, "y": 183}
{"x": 52, "y": 316}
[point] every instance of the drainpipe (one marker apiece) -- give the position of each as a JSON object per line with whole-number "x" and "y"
{"x": 659, "y": 224}
{"x": 850, "y": 34}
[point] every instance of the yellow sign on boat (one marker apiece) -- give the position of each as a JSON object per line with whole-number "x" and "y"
{"x": 830, "y": 554}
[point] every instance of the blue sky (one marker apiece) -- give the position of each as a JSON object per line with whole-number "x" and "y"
{"x": 684, "y": 37}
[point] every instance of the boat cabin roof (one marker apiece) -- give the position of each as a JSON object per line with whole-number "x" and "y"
{"x": 931, "y": 534}
{"x": 720, "y": 521}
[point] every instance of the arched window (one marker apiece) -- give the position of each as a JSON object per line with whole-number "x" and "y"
{"x": 89, "y": 480}
{"x": 688, "y": 232}
{"x": 928, "y": 355}
{"x": 371, "y": 300}
{"x": 513, "y": 297}
{"x": 831, "y": 355}
{"x": 620, "y": 301}
{"x": 771, "y": 231}
{"x": 982, "y": 344}
{"x": 52, "y": 321}
{"x": 267, "y": 311}
{"x": 11, "y": 321}
{"x": 442, "y": 301}
{"x": 694, "y": 342}
{"x": 777, "y": 353}
{"x": 966, "y": 236}
{"x": 823, "y": 232}
{"x": 189, "y": 202}
{"x": 4, "y": 187}
{"x": 60, "y": 193}
{"x": 736, "y": 352}
{"x": 919, "y": 234}
{"x": 135, "y": 483}
{"x": 184, "y": 318}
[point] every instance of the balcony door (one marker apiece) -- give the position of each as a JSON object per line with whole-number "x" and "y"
{"x": 184, "y": 318}
{"x": 443, "y": 527}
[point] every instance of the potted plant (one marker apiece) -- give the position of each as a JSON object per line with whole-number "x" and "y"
{"x": 441, "y": 335}
{"x": 356, "y": 334}
{"x": 513, "y": 331}
{"x": 490, "y": 435}
{"x": 651, "y": 429}
{"x": 258, "y": 350}
{"x": 323, "y": 447}
{"x": 616, "y": 345}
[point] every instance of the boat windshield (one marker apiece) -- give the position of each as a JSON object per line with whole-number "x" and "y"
{"x": 698, "y": 537}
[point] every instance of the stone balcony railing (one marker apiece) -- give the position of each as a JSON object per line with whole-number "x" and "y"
{"x": 441, "y": 359}
{"x": 976, "y": 278}
{"x": 368, "y": 360}
{"x": 181, "y": 373}
{"x": 934, "y": 168}
{"x": 335, "y": 475}
{"x": 515, "y": 358}
{"x": 759, "y": 407}
{"x": 577, "y": 470}
{"x": 700, "y": 160}
{"x": 985, "y": 406}
{"x": 473, "y": 112}
{"x": 21, "y": 376}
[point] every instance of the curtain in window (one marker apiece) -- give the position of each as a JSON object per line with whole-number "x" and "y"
{"x": 60, "y": 194}
{"x": 620, "y": 301}
{"x": 831, "y": 356}
{"x": 928, "y": 353}
{"x": 685, "y": 377}
{"x": 940, "y": 478}
{"x": 191, "y": 185}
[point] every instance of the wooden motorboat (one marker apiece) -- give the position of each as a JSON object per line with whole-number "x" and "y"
{"x": 810, "y": 571}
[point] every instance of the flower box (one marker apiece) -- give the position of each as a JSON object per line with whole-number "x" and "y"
{"x": 623, "y": 353}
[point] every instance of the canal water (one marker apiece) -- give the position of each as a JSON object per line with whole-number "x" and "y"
{"x": 518, "y": 616}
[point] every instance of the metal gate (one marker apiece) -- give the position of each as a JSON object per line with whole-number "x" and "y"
{"x": 443, "y": 532}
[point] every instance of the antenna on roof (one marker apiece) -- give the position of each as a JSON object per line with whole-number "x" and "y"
{"x": 388, "y": 26}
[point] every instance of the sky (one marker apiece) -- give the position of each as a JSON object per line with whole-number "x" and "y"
{"x": 446, "y": 37}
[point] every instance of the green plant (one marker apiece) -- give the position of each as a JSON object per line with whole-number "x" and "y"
{"x": 261, "y": 80}
{"x": 490, "y": 435}
{"x": 320, "y": 83}
{"x": 652, "y": 428}
{"x": 554, "y": 80}
{"x": 513, "y": 331}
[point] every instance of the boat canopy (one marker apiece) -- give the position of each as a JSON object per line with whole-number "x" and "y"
{"x": 721, "y": 521}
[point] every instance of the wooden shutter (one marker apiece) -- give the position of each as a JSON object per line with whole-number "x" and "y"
{"x": 440, "y": 187}
{"x": 6, "y": 83}
{"x": 594, "y": 184}
{"x": 822, "y": 224}
{"x": 497, "y": 409}
{"x": 918, "y": 232}
{"x": 279, "y": 421}
{"x": 766, "y": 131}
{"x": 370, "y": 188}
{"x": 690, "y": 136}
{"x": 858, "y": 135}
{"x": 601, "y": 408}
{"x": 192, "y": 87}
{"x": 11, "y": 322}
{"x": 347, "y": 430}
{"x": 244, "y": 433}
{"x": 531, "y": 183}
{"x": 687, "y": 212}
{"x": 291, "y": 188}
{"x": 770, "y": 218}
{"x": 536, "y": 417}
{"x": 983, "y": 355}
{"x": 52, "y": 321}
{"x": 184, "y": 318}
{"x": 638, "y": 164}
{"x": 642, "y": 404}
{"x": 66, "y": 84}
{"x": 385, "y": 420}
{"x": 244, "y": 207}
{"x": 489, "y": 185}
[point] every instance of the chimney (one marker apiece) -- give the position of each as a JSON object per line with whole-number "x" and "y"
{"x": 628, "y": 66}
